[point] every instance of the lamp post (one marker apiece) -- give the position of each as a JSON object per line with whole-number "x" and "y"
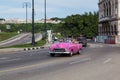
{"x": 33, "y": 36}
{"x": 45, "y": 19}
{"x": 26, "y": 5}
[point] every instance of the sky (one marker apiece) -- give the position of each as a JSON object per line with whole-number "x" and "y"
{"x": 55, "y": 8}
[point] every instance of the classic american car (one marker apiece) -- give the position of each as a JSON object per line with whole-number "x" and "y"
{"x": 67, "y": 47}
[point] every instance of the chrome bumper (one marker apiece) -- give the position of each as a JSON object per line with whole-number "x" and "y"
{"x": 59, "y": 52}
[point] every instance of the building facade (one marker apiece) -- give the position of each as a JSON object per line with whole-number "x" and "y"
{"x": 109, "y": 21}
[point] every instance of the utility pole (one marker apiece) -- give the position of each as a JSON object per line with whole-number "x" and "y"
{"x": 26, "y": 5}
{"x": 33, "y": 36}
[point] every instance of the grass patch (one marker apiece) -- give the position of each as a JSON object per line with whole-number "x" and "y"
{"x": 4, "y": 35}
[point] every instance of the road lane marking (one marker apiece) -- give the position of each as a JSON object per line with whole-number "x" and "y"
{"x": 38, "y": 66}
{"x": 4, "y": 58}
{"x": 10, "y": 60}
{"x": 107, "y": 61}
{"x": 82, "y": 60}
{"x": 26, "y": 67}
{"x": 19, "y": 68}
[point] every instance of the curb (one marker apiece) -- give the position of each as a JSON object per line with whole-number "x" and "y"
{"x": 7, "y": 50}
{"x": 33, "y": 48}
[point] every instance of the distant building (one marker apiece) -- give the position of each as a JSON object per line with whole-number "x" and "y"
{"x": 20, "y": 21}
{"x": 2, "y": 21}
{"x": 49, "y": 21}
{"x": 109, "y": 21}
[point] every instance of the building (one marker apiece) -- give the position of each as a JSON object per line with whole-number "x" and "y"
{"x": 2, "y": 21}
{"x": 49, "y": 21}
{"x": 109, "y": 21}
{"x": 20, "y": 21}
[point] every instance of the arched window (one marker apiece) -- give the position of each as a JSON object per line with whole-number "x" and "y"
{"x": 111, "y": 29}
{"x": 104, "y": 11}
{"x": 116, "y": 7}
{"x": 115, "y": 27}
{"x": 116, "y": 3}
{"x": 109, "y": 8}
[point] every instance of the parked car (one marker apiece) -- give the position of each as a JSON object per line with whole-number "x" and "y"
{"x": 65, "y": 48}
{"x": 82, "y": 40}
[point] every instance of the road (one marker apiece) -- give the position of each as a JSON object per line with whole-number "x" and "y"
{"x": 20, "y": 39}
{"x": 95, "y": 63}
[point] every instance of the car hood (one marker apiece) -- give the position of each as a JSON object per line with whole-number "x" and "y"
{"x": 60, "y": 45}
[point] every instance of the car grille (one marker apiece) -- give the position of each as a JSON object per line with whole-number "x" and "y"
{"x": 59, "y": 50}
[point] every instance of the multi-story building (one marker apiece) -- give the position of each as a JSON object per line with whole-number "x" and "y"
{"x": 109, "y": 21}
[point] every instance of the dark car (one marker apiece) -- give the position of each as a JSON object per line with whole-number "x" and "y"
{"x": 83, "y": 41}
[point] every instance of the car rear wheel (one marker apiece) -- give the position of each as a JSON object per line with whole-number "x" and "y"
{"x": 79, "y": 52}
{"x": 52, "y": 55}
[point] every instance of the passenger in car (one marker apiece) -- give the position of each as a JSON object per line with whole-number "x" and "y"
{"x": 62, "y": 40}
{"x": 73, "y": 40}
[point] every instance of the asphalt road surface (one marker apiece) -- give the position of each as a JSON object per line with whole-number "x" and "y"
{"x": 20, "y": 39}
{"x": 95, "y": 63}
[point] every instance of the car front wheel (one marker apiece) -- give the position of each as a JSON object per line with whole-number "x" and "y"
{"x": 71, "y": 54}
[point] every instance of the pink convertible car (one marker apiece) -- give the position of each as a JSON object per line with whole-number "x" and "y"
{"x": 65, "y": 48}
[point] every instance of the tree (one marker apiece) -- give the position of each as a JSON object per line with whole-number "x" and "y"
{"x": 85, "y": 24}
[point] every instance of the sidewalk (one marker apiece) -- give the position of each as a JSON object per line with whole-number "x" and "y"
{"x": 96, "y": 44}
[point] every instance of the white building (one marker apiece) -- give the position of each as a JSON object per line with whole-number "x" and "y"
{"x": 109, "y": 21}
{"x": 2, "y": 21}
{"x": 20, "y": 21}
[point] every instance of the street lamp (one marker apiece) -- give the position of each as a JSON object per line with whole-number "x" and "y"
{"x": 33, "y": 36}
{"x": 45, "y": 19}
{"x": 26, "y": 5}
